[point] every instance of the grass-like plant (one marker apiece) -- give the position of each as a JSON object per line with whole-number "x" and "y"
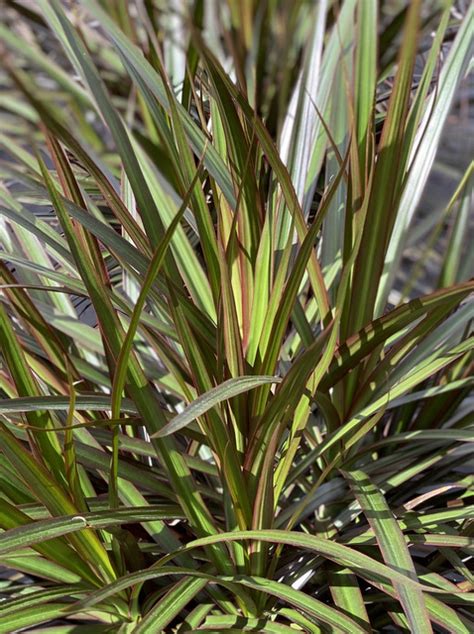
{"x": 222, "y": 408}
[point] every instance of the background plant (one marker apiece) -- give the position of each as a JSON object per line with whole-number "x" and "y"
{"x": 223, "y": 407}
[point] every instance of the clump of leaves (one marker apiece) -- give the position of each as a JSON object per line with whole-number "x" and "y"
{"x": 223, "y": 410}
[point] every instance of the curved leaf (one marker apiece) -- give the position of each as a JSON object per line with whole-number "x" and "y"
{"x": 205, "y": 402}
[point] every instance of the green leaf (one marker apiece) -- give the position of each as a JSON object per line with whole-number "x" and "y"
{"x": 56, "y": 501}
{"x": 27, "y": 385}
{"x": 93, "y": 402}
{"x": 216, "y": 395}
{"x": 43, "y": 530}
{"x": 387, "y": 180}
{"x": 242, "y": 624}
{"x": 317, "y": 609}
{"x": 79, "y": 56}
{"x": 322, "y": 613}
{"x": 171, "y": 605}
{"x": 436, "y": 111}
{"x": 347, "y": 595}
{"x": 37, "y": 566}
{"x": 393, "y": 547}
{"x": 361, "y": 564}
{"x": 143, "y": 73}
{"x": 298, "y": 134}
{"x": 30, "y": 616}
{"x": 352, "y": 351}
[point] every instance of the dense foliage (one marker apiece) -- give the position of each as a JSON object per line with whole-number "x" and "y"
{"x": 229, "y": 400}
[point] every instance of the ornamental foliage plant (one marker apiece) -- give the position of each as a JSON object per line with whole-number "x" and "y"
{"x": 236, "y": 357}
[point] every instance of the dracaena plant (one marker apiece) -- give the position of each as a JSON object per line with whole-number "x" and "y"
{"x": 229, "y": 400}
